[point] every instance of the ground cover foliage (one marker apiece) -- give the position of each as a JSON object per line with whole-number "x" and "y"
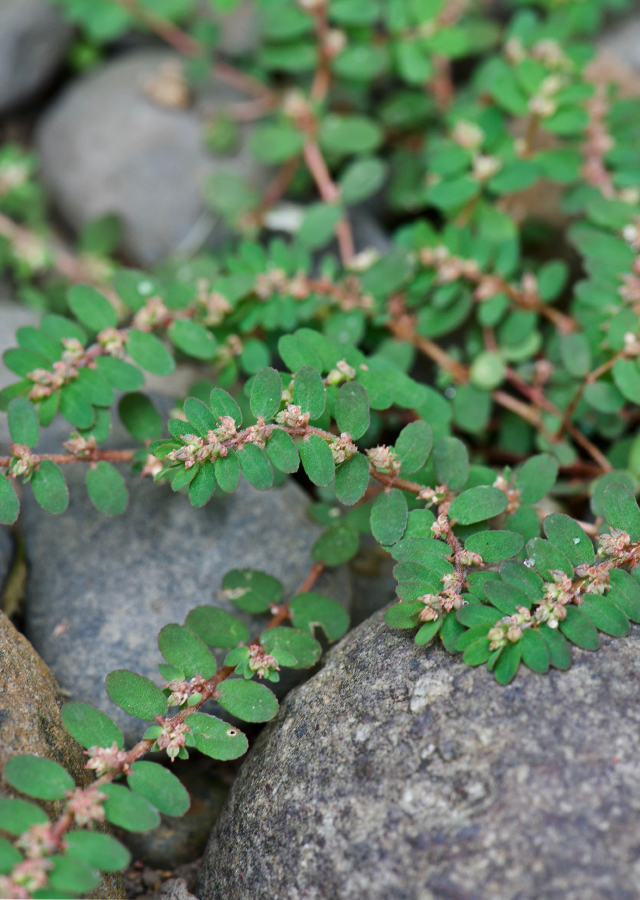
{"x": 434, "y": 396}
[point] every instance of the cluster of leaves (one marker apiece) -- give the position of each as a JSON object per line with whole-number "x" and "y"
{"x": 62, "y": 858}
{"x": 528, "y": 611}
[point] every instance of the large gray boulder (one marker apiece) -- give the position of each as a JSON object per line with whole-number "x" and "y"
{"x": 100, "y": 589}
{"x": 399, "y": 773}
{"x": 33, "y": 40}
{"x": 107, "y": 147}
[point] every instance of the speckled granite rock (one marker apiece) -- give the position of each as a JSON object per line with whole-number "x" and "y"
{"x": 398, "y": 773}
{"x": 107, "y": 147}
{"x": 30, "y": 722}
{"x": 111, "y": 584}
{"x": 33, "y": 40}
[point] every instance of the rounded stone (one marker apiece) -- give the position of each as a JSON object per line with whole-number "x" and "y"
{"x": 33, "y": 40}
{"x": 399, "y": 773}
{"x": 107, "y": 147}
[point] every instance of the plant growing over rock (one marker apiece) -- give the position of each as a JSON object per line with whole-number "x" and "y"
{"x": 527, "y": 329}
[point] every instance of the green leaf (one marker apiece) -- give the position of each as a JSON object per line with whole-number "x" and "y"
{"x": 38, "y": 777}
{"x": 23, "y": 422}
{"x": 140, "y": 417}
{"x": 216, "y": 738}
{"x": 75, "y": 407}
{"x": 59, "y": 327}
{"x": 203, "y": 485}
{"x": 120, "y": 375}
{"x": 506, "y": 597}
{"x": 451, "y": 463}
{"x": 557, "y": 646}
{"x": 389, "y": 517}
{"x": 309, "y": 391}
{"x": 579, "y": 629}
{"x": 413, "y": 446}
{"x": 477, "y": 653}
{"x": 317, "y": 460}
{"x": 361, "y": 179}
{"x": 477, "y": 504}
{"x": 476, "y": 614}
{"x": 150, "y": 353}
{"x": 251, "y": 590}
{"x": 255, "y": 466}
{"x": 9, "y": 857}
{"x": 282, "y": 451}
{"x": 193, "y": 339}
{"x": 494, "y": 546}
{"x": 128, "y": 810}
{"x": 450, "y": 631}
{"x": 300, "y": 644}
{"x": 402, "y": 615}
{"x": 9, "y": 503}
{"x": 576, "y": 353}
{"x": 266, "y": 393}
{"x": 311, "y": 610}
{"x": 183, "y": 477}
{"x": 349, "y": 134}
{"x": 508, "y": 662}
{"x": 90, "y": 726}
{"x": 72, "y": 876}
{"x": 223, "y": 404}
{"x": 565, "y": 533}
{"x": 50, "y": 488}
{"x": 337, "y": 545}
{"x": 536, "y": 477}
{"x": 524, "y": 578}
{"x": 21, "y": 362}
{"x": 275, "y": 144}
{"x": 603, "y": 396}
{"x": 625, "y": 593}
{"x": 91, "y": 307}
{"x": 352, "y": 478}
{"x": 18, "y": 815}
{"x": 471, "y": 636}
{"x": 216, "y": 627}
{"x": 319, "y": 224}
{"x": 296, "y": 353}
{"x": 107, "y": 490}
{"x": 200, "y": 416}
{"x": 605, "y": 615}
{"x": 428, "y": 632}
{"x": 247, "y": 700}
{"x": 227, "y": 470}
{"x": 98, "y": 850}
{"x": 48, "y": 408}
{"x": 547, "y": 559}
{"x": 136, "y": 695}
{"x": 621, "y": 510}
{"x": 352, "y": 409}
{"x": 184, "y": 649}
{"x": 160, "y": 787}
{"x": 627, "y": 379}
{"x": 534, "y": 651}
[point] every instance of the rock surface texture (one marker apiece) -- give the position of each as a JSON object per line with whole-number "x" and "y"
{"x": 30, "y": 722}
{"x": 399, "y": 773}
{"x": 33, "y": 40}
{"x": 107, "y": 147}
{"x": 100, "y": 589}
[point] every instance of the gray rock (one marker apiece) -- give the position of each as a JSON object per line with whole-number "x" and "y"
{"x": 174, "y": 889}
{"x": 100, "y": 589}
{"x": 239, "y": 32}
{"x": 106, "y": 147}
{"x": 33, "y": 40}
{"x": 400, "y": 773}
{"x": 622, "y": 43}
